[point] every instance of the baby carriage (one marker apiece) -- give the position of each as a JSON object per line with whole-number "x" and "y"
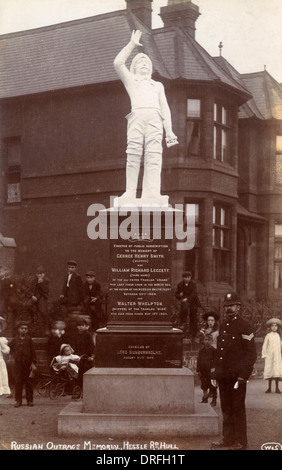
{"x": 64, "y": 381}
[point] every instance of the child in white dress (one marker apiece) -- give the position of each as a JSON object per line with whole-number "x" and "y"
{"x": 4, "y": 349}
{"x": 66, "y": 361}
{"x": 271, "y": 352}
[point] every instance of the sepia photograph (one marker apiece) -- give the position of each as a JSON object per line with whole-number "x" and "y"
{"x": 140, "y": 227}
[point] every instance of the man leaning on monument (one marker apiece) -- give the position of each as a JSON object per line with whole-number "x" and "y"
{"x": 235, "y": 358}
{"x": 150, "y": 114}
{"x": 186, "y": 293}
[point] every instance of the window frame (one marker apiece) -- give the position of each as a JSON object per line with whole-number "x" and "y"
{"x": 193, "y": 135}
{"x": 13, "y": 180}
{"x": 221, "y": 242}
{"x": 278, "y": 161}
{"x": 222, "y": 133}
{"x": 193, "y": 257}
{"x": 277, "y": 272}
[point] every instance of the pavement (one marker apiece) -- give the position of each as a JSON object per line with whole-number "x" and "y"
{"x": 34, "y": 428}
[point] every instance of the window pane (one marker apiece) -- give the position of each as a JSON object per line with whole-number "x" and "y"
{"x": 214, "y": 215}
{"x": 278, "y": 230}
{"x": 193, "y": 138}
{"x": 215, "y": 112}
{"x": 279, "y": 143}
{"x": 278, "y": 276}
{"x": 278, "y": 169}
{"x": 221, "y": 239}
{"x": 14, "y": 193}
{"x": 223, "y": 146}
{"x": 224, "y": 239}
{"x": 224, "y": 116}
{"x": 214, "y": 142}
{"x": 278, "y": 250}
{"x": 222, "y": 216}
{"x": 194, "y": 108}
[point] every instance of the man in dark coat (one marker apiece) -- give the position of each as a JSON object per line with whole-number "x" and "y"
{"x": 39, "y": 296}
{"x": 186, "y": 292}
{"x": 83, "y": 345}
{"x": 22, "y": 349}
{"x": 92, "y": 299}
{"x": 235, "y": 358}
{"x": 72, "y": 291}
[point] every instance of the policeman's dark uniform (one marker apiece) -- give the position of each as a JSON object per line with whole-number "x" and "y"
{"x": 236, "y": 355}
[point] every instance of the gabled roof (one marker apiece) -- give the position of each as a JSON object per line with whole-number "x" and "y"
{"x": 267, "y": 93}
{"x": 186, "y": 58}
{"x": 266, "y": 101}
{"x": 67, "y": 55}
{"x": 248, "y": 109}
{"x": 81, "y": 52}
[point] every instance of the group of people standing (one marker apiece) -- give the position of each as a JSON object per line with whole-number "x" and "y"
{"x": 28, "y": 299}
{"x": 225, "y": 359}
{"x": 87, "y": 295}
{"x": 61, "y": 349}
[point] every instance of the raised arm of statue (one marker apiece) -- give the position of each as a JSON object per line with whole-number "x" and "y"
{"x": 121, "y": 58}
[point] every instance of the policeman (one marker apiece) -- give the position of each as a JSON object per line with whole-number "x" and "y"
{"x": 235, "y": 358}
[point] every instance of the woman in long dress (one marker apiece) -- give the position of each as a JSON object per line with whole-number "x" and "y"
{"x": 271, "y": 352}
{"x": 4, "y": 349}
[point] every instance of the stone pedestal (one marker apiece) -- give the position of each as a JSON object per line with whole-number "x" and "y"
{"x": 139, "y": 332}
{"x": 132, "y": 403}
{"x": 138, "y": 387}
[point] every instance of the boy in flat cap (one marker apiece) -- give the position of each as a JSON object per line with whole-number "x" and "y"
{"x": 186, "y": 292}
{"x": 83, "y": 344}
{"x": 92, "y": 299}
{"x": 22, "y": 349}
{"x": 72, "y": 291}
{"x": 39, "y": 296}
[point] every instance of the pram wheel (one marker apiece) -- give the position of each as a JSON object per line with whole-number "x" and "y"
{"x": 43, "y": 384}
{"x": 56, "y": 390}
{"x": 76, "y": 393}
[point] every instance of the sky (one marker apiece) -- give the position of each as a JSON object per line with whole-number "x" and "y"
{"x": 250, "y": 30}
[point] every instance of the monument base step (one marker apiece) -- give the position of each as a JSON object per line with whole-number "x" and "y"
{"x": 72, "y": 421}
{"x": 138, "y": 403}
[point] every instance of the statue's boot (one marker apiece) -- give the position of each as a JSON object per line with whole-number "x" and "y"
{"x": 132, "y": 174}
{"x": 151, "y": 190}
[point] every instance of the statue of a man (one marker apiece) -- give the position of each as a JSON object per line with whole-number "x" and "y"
{"x": 150, "y": 114}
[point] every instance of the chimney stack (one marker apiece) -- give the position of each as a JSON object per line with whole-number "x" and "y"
{"x": 181, "y": 13}
{"x": 142, "y": 9}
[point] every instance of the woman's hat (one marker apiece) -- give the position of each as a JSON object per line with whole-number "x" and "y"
{"x": 274, "y": 320}
{"x": 211, "y": 313}
{"x": 3, "y": 323}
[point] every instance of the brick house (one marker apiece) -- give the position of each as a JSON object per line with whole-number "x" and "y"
{"x": 63, "y": 140}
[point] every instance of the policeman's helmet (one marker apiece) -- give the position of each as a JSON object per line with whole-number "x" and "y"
{"x": 231, "y": 298}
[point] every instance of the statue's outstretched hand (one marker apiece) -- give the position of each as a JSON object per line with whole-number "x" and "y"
{"x": 135, "y": 37}
{"x": 171, "y": 139}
